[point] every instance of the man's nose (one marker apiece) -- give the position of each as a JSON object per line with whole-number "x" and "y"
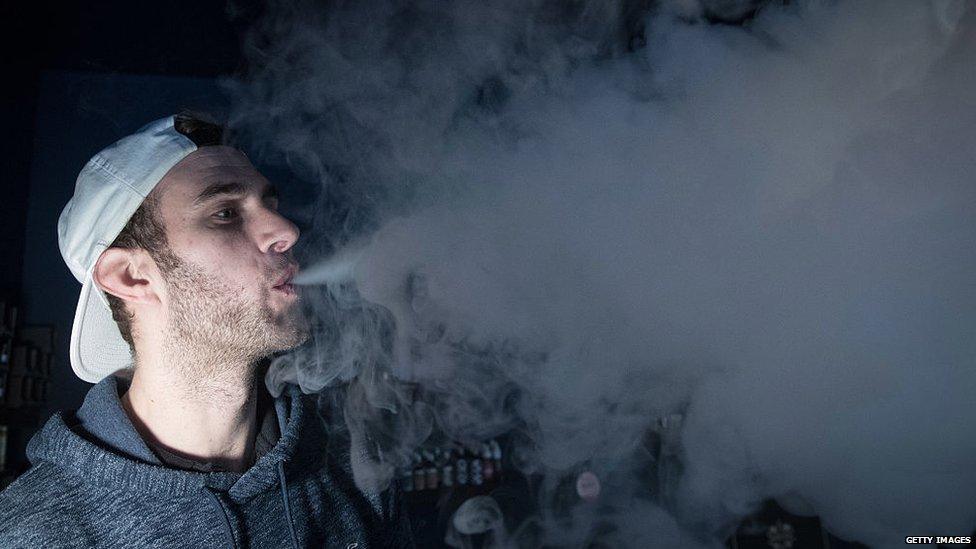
{"x": 277, "y": 234}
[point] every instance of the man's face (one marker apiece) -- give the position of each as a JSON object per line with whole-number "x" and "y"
{"x": 229, "y": 258}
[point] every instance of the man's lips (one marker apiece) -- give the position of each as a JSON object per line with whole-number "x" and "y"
{"x": 286, "y": 289}
{"x": 284, "y": 281}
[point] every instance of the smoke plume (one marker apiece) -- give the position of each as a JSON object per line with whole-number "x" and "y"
{"x": 568, "y": 220}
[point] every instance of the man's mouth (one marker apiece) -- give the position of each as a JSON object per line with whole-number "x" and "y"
{"x": 283, "y": 284}
{"x": 286, "y": 289}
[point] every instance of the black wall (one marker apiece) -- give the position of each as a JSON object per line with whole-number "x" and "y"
{"x": 176, "y": 38}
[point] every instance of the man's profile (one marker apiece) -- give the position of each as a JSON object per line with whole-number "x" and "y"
{"x": 185, "y": 265}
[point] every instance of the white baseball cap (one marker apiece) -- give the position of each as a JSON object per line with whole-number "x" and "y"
{"x": 110, "y": 188}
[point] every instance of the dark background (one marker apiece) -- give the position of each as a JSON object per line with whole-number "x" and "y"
{"x": 175, "y": 39}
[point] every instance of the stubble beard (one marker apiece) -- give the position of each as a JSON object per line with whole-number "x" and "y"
{"x": 215, "y": 335}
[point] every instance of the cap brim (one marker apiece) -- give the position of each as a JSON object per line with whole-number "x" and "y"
{"x": 97, "y": 348}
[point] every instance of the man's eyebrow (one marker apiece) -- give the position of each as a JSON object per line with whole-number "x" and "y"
{"x": 219, "y": 189}
{"x": 231, "y": 189}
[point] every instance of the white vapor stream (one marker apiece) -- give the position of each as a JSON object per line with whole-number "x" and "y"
{"x": 769, "y": 227}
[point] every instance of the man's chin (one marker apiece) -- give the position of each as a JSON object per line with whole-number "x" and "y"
{"x": 297, "y": 341}
{"x": 293, "y": 334}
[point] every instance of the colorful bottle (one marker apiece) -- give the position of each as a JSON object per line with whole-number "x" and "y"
{"x": 476, "y": 468}
{"x": 447, "y": 467}
{"x": 496, "y": 456}
{"x": 419, "y": 473}
{"x": 488, "y": 464}
{"x": 430, "y": 470}
{"x": 462, "y": 468}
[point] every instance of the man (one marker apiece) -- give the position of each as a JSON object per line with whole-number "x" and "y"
{"x": 185, "y": 266}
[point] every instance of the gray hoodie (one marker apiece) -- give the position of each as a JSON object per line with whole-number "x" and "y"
{"x": 95, "y": 483}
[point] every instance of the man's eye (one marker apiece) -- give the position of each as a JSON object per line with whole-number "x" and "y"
{"x": 225, "y": 214}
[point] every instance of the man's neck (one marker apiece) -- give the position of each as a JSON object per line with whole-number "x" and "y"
{"x": 204, "y": 419}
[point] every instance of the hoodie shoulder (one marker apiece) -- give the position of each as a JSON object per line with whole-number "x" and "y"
{"x": 39, "y": 510}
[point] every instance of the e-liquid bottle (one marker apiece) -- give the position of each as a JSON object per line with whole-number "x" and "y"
{"x": 496, "y": 456}
{"x": 487, "y": 463}
{"x": 477, "y": 470}
{"x": 462, "y": 468}
{"x": 430, "y": 470}
{"x": 419, "y": 473}
{"x": 406, "y": 478}
{"x": 447, "y": 468}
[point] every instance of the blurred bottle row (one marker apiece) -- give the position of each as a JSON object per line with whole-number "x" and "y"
{"x": 452, "y": 465}
{"x": 26, "y": 359}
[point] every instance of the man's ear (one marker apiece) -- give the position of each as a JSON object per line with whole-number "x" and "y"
{"x": 125, "y": 273}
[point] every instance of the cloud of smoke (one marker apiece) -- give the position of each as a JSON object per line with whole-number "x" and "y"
{"x": 570, "y": 219}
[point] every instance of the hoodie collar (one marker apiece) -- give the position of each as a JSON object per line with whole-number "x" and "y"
{"x": 102, "y": 417}
{"x": 100, "y": 432}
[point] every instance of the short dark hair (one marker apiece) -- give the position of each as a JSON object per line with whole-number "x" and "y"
{"x": 145, "y": 228}
{"x": 200, "y": 128}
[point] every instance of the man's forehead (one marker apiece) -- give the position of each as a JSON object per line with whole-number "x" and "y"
{"x": 208, "y": 165}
